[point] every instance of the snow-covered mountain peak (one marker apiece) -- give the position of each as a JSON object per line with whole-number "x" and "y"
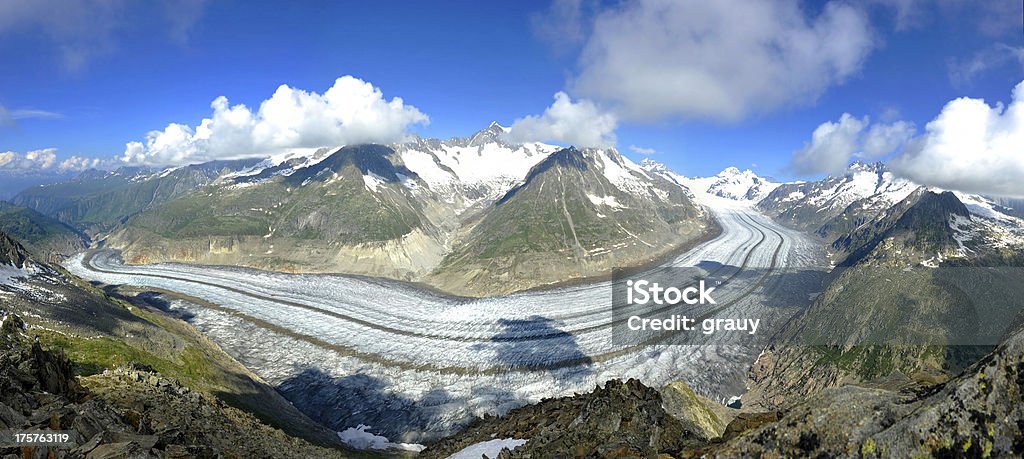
{"x": 731, "y": 171}
{"x": 652, "y": 166}
{"x": 494, "y": 126}
{"x": 284, "y": 164}
{"x": 465, "y": 171}
{"x": 862, "y": 166}
{"x": 493, "y": 133}
{"x": 734, "y": 184}
{"x": 621, "y": 171}
{"x": 868, "y": 180}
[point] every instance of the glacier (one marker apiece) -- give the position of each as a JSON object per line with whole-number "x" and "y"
{"x": 418, "y": 365}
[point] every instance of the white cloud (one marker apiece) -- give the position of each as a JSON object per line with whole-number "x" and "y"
{"x": 883, "y": 139}
{"x": 721, "y": 60}
{"x": 833, "y": 144}
{"x": 43, "y": 160}
{"x": 642, "y": 150}
{"x": 351, "y": 111}
{"x": 79, "y": 163}
{"x": 579, "y": 123}
{"x": 9, "y": 118}
{"x": 34, "y": 160}
{"x": 972, "y": 147}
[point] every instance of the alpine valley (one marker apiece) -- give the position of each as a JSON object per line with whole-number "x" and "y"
{"x": 454, "y": 296}
{"x": 470, "y": 216}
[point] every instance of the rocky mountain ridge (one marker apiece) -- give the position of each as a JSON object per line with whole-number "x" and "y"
{"x": 431, "y": 211}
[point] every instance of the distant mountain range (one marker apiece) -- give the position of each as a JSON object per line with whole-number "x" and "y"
{"x": 474, "y": 215}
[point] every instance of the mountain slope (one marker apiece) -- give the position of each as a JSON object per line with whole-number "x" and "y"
{"x": 43, "y": 235}
{"x": 578, "y": 213}
{"x": 127, "y": 412}
{"x": 100, "y": 330}
{"x": 912, "y": 297}
{"x": 13, "y": 254}
{"x": 917, "y": 226}
{"x": 979, "y": 413}
{"x": 352, "y": 209}
{"x": 621, "y": 419}
{"x": 98, "y": 201}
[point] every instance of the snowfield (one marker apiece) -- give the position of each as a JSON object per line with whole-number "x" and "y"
{"x": 416, "y": 365}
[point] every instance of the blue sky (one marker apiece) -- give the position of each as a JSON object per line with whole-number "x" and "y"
{"x": 86, "y": 84}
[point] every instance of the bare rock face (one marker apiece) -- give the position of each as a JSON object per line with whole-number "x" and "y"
{"x": 11, "y": 252}
{"x": 621, "y": 419}
{"x": 979, "y": 413}
{"x": 693, "y": 411}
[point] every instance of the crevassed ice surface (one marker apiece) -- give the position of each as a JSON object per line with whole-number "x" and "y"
{"x": 417, "y": 365}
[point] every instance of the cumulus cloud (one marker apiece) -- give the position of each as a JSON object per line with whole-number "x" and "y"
{"x": 720, "y": 60}
{"x": 882, "y": 139}
{"x": 833, "y": 144}
{"x": 43, "y": 161}
{"x": 642, "y": 150}
{"x": 79, "y": 163}
{"x": 351, "y": 111}
{"x": 970, "y": 146}
{"x": 579, "y": 123}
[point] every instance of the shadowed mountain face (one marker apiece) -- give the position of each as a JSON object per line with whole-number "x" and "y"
{"x": 42, "y": 234}
{"x": 12, "y": 253}
{"x": 920, "y": 224}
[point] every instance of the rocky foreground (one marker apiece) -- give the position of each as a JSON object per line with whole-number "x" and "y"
{"x": 979, "y": 413}
{"x": 126, "y": 412}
